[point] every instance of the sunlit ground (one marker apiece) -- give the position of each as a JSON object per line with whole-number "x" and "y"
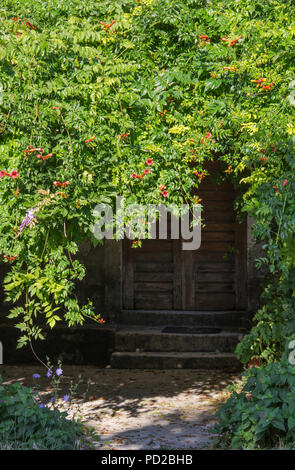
{"x": 137, "y": 409}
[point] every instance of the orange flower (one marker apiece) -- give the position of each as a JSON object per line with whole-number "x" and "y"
{"x": 224, "y": 39}
{"x": 90, "y": 140}
{"x": 208, "y": 136}
{"x": 10, "y": 258}
{"x": 123, "y": 136}
{"x": 232, "y": 43}
{"x": 57, "y": 183}
{"x": 61, "y": 193}
{"x": 46, "y": 156}
{"x": 204, "y": 37}
{"x": 259, "y": 80}
{"x": 161, "y": 187}
{"x": 267, "y": 87}
{"x": 199, "y": 175}
{"x": 30, "y": 25}
{"x": 33, "y": 149}
{"x": 197, "y": 200}
{"x": 107, "y": 26}
{"x": 231, "y": 69}
{"x": 163, "y": 113}
{"x": 228, "y": 170}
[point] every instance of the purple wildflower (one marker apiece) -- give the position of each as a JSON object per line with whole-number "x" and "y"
{"x": 261, "y": 416}
{"x": 42, "y": 405}
{"x": 52, "y": 400}
{"x": 36, "y": 376}
{"x": 58, "y": 371}
{"x": 27, "y": 220}
{"x": 262, "y": 398}
{"x": 49, "y": 373}
{"x": 66, "y": 397}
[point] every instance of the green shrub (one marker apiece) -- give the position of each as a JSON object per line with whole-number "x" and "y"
{"x": 262, "y": 414}
{"x": 273, "y": 322}
{"x": 26, "y": 423}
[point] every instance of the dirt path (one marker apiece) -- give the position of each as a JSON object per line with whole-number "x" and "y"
{"x": 141, "y": 409}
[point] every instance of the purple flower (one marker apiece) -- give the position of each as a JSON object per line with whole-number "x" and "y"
{"x": 261, "y": 416}
{"x": 42, "y": 405}
{"x": 58, "y": 371}
{"x": 262, "y": 398}
{"x": 36, "y": 376}
{"x": 27, "y": 220}
{"x": 66, "y": 397}
{"x": 52, "y": 400}
{"x": 49, "y": 373}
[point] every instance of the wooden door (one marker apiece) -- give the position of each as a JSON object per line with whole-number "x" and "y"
{"x": 162, "y": 276}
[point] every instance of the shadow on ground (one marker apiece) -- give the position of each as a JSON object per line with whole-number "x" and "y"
{"x": 141, "y": 409}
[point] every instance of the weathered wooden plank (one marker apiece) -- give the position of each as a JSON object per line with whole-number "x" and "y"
{"x": 207, "y": 236}
{"x": 153, "y": 276}
{"x": 212, "y": 257}
{"x": 217, "y": 205}
{"x": 219, "y": 227}
{"x": 215, "y": 276}
{"x": 128, "y": 278}
{"x": 177, "y": 276}
{"x": 217, "y": 267}
{"x": 241, "y": 266}
{"x": 212, "y": 246}
{"x": 148, "y": 267}
{"x": 215, "y": 302}
{"x": 155, "y": 287}
{"x": 155, "y": 257}
{"x": 214, "y": 287}
{"x": 154, "y": 301}
{"x": 217, "y": 216}
{"x": 188, "y": 279}
{"x": 208, "y": 195}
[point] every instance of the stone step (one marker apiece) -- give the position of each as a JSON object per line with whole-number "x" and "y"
{"x": 152, "y": 339}
{"x": 235, "y": 318}
{"x": 174, "y": 360}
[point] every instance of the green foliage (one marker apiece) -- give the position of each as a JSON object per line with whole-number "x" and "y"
{"x": 261, "y": 414}
{"x": 24, "y": 425}
{"x": 178, "y": 82}
{"x": 273, "y": 323}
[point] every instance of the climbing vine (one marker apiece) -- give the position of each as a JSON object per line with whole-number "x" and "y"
{"x": 131, "y": 98}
